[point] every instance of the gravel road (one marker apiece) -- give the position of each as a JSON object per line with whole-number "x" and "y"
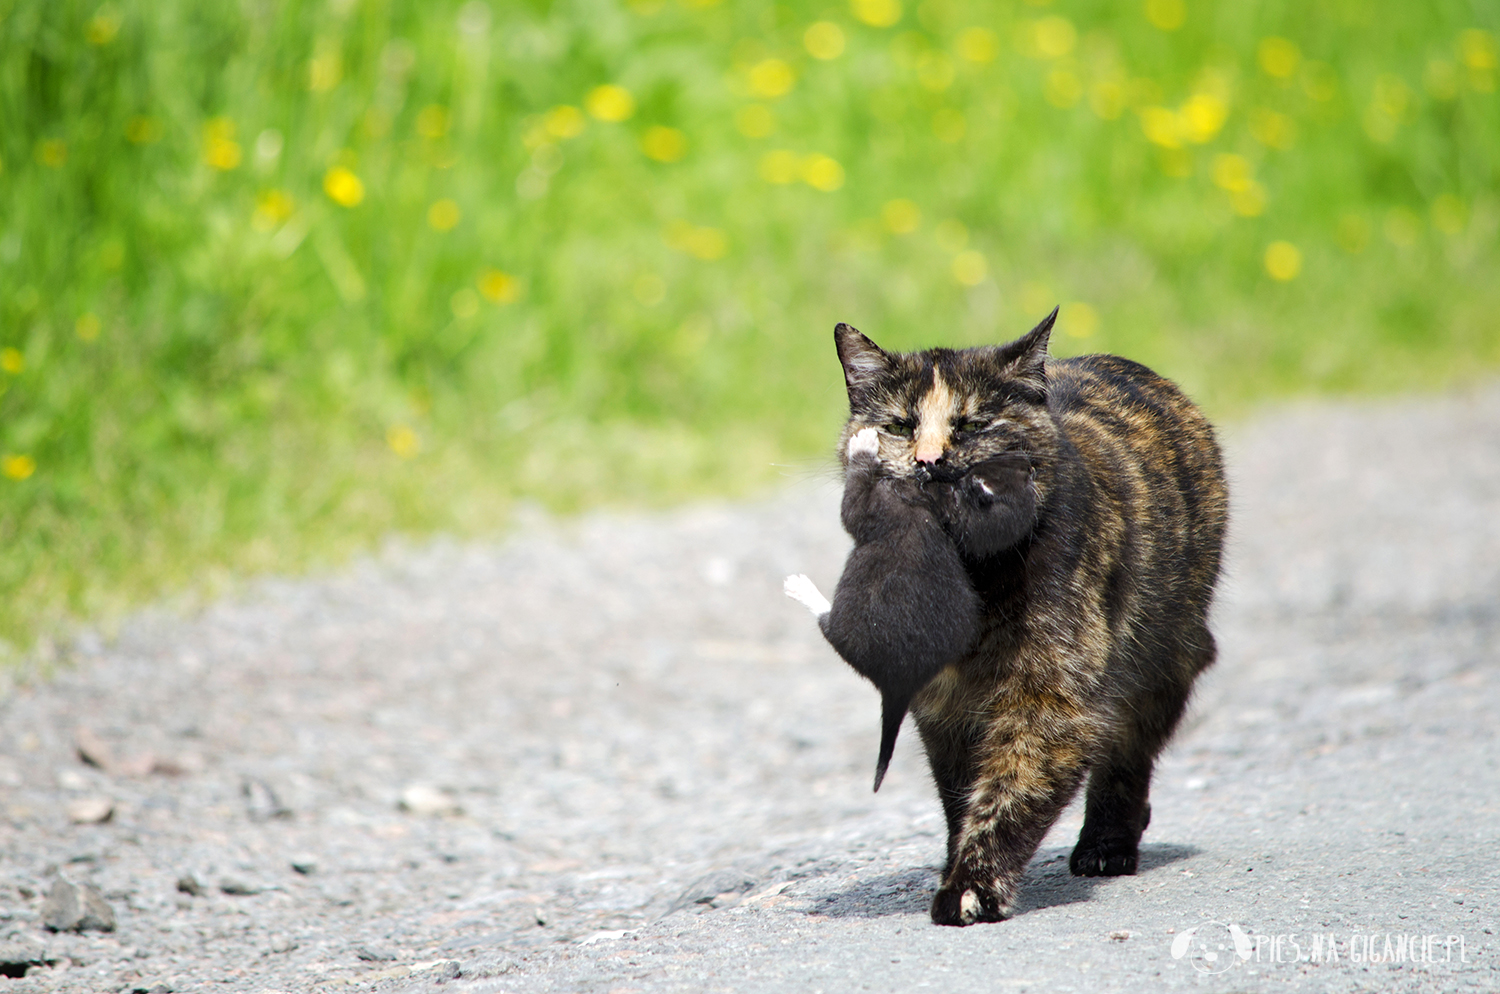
{"x": 608, "y": 755}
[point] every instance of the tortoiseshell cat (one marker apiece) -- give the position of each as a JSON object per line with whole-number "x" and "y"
{"x": 1036, "y": 545}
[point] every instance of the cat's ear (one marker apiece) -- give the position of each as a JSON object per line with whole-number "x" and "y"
{"x": 864, "y": 362}
{"x": 1025, "y": 359}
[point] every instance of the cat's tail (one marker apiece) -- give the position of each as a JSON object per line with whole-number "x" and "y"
{"x": 892, "y": 713}
{"x": 802, "y": 590}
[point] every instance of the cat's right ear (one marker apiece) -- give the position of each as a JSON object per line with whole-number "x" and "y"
{"x": 864, "y": 362}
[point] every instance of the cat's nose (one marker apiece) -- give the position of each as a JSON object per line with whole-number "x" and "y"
{"x": 928, "y": 454}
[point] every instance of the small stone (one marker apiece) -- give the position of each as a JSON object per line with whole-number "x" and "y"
{"x": 190, "y": 884}
{"x": 74, "y": 907}
{"x": 261, "y": 802}
{"x": 90, "y": 810}
{"x": 281, "y": 944}
{"x": 1119, "y": 935}
{"x": 448, "y": 970}
{"x": 305, "y": 864}
{"x": 17, "y": 955}
{"x": 422, "y": 799}
{"x": 92, "y": 750}
{"x": 239, "y": 888}
{"x": 376, "y": 954}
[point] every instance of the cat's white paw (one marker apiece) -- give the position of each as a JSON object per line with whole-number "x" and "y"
{"x": 866, "y": 442}
{"x": 802, "y": 590}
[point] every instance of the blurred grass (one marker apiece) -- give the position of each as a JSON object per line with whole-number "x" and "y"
{"x": 277, "y": 280}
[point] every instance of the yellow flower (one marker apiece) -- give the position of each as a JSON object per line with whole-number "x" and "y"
{"x": 1232, "y": 172}
{"x": 271, "y": 208}
{"x": 17, "y": 467}
{"x": 771, "y": 78}
{"x": 12, "y": 361}
{"x": 1055, "y": 36}
{"x": 1283, "y": 261}
{"x": 703, "y": 243}
{"x": 609, "y": 102}
{"x": 220, "y": 150}
{"x": 1278, "y": 57}
{"x": 755, "y": 120}
{"x": 977, "y": 45}
{"x": 142, "y": 130}
{"x": 499, "y": 286}
{"x": 86, "y": 327}
{"x": 969, "y": 268}
{"x": 432, "y": 121}
{"x": 780, "y": 166}
{"x": 324, "y": 71}
{"x": 1201, "y": 117}
{"x": 664, "y": 144}
{"x": 564, "y": 121}
{"x": 824, "y": 40}
{"x": 1079, "y": 320}
{"x": 876, "y": 13}
{"x": 822, "y": 173}
{"x": 343, "y": 187}
{"x": 1168, "y": 15}
{"x": 403, "y": 441}
{"x": 1160, "y": 126}
{"x": 103, "y": 26}
{"x": 444, "y": 215}
{"x": 900, "y": 216}
{"x": 1479, "y": 49}
{"x": 52, "y": 153}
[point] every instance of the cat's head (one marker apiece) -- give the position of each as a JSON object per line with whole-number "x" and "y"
{"x": 942, "y": 411}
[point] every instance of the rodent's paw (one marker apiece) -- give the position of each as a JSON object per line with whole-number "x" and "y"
{"x": 802, "y": 590}
{"x": 866, "y": 442}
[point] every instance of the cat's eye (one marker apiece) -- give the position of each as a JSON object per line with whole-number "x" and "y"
{"x": 901, "y": 429}
{"x": 971, "y": 425}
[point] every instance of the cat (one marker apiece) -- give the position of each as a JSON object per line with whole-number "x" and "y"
{"x": 1037, "y": 542}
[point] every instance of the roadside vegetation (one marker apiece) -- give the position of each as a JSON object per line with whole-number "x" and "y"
{"x": 278, "y": 280}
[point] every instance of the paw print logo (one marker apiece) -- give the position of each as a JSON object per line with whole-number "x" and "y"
{"x": 1212, "y": 947}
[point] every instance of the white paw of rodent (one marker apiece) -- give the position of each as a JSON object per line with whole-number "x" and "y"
{"x": 802, "y": 590}
{"x": 866, "y": 442}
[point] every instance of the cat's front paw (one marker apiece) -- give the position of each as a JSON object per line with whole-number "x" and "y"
{"x": 865, "y": 442}
{"x": 968, "y": 904}
{"x": 1104, "y": 858}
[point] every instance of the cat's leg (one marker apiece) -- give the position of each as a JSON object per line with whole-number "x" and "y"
{"x": 1118, "y": 808}
{"x": 950, "y": 754}
{"x": 1026, "y": 770}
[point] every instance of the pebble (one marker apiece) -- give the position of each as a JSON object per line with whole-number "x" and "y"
{"x": 376, "y": 954}
{"x": 261, "y": 802}
{"x": 423, "y": 799}
{"x": 239, "y": 887}
{"x": 305, "y": 864}
{"x": 71, "y": 907}
{"x": 18, "y": 954}
{"x": 189, "y": 884}
{"x": 90, "y": 810}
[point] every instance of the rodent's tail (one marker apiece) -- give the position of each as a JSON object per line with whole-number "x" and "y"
{"x": 802, "y": 590}
{"x": 892, "y": 713}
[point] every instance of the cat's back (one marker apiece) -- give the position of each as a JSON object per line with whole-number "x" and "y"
{"x": 1143, "y": 439}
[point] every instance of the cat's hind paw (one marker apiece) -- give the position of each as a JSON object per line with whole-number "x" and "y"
{"x": 865, "y": 442}
{"x": 802, "y": 590}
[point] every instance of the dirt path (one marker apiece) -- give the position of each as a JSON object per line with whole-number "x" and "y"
{"x": 629, "y": 764}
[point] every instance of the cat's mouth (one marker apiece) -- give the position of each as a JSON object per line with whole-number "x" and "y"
{"x": 944, "y": 471}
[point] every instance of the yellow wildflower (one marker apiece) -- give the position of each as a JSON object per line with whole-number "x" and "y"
{"x": 1283, "y": 261}
{"x": 12, "y": 361}
{"x": 17, "y": 467}
{"x": 876, "y": 13}
{"x": 86, "y": 327}
{"x": 403, "y": 441}
{"x": 824, "y": 40}
{"x": 755, "y": 120}
{"x": 499, "y": 286}
{"x": 1168, "y": 15}
{"x": 822, "y": 173}
{"x": 664, "y": 144}
{"x": 969, "y": 268}
{"x": 900, "y": 216}
{"x": 771, "y": 78}
{"x": 1279, "y": 57}
{"x": 343, "y": 187}
{"x": 564, "y": 121}
{"x": 977, "y": 45}
{"x": 609, "y": 103}
{"x": 444, "y": 215}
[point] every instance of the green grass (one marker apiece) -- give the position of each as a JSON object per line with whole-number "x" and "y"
{"x": 214, "y": 368}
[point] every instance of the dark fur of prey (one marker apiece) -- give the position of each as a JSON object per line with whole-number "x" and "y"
{"x": 1037, "y": 543}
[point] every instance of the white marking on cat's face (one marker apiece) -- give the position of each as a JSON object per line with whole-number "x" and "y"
{"x": 934, "y": 416}
{"x": 865, "y": 442}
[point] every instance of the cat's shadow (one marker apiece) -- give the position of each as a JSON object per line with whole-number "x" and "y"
{"x": 1047, "y": 884}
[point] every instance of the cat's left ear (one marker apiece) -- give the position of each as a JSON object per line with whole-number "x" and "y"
{"x": 1025, "y": 359}
{"x": 864, "y": 362}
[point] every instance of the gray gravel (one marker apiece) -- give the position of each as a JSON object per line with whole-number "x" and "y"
{"x": 607, "y": 755}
